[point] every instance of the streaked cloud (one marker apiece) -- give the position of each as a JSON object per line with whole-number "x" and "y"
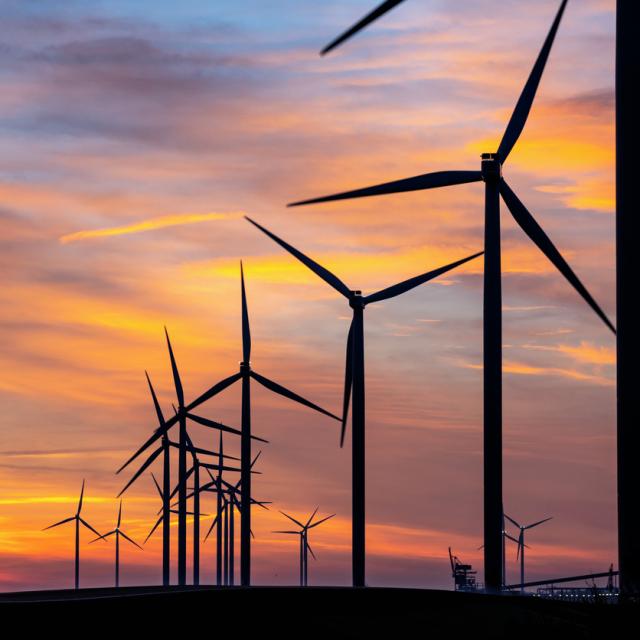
{"x": 150, "y": 224}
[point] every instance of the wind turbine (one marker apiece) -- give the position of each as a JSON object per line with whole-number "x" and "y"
{"x": 77, "y": 518}
{"x": 495, "y": 187}
{"x": 225, "y": 521}
{"x": 627, "y": 230}
{"x": 181, "y": 414}
{"x": 355, "y": 381}
{"x": 118, "y": 532}
{"x": 305, "y": 548}
{"x": 522, "y": 545}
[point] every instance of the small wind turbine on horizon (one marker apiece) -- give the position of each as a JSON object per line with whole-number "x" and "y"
{"x": 118, "y": 532}
{"x": 496, "y": 187}
{"x": 522, "y": 545}
{"x": 77, "y": 518}
{"x": 305, "y": 548}
{"x": 355, "y": 381}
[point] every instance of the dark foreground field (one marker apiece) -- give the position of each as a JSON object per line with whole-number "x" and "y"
{"x": 311, "y": 612}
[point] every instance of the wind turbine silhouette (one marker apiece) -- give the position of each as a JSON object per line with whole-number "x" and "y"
{"x": 522, "y": 545}
{"x": 495, "y": 187}
{"x": 118, "y": 532}
{"x": 77, "y": 518}
{"x": 355, "y": 381}
{"x": 627, "y": 226}
{"x": 225, "y": 520}
{"x": 180, "y": 417}
{"x": 245, "y": 374}
{"x": 305, "y": 548}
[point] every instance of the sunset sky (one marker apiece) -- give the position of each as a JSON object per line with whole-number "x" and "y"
{"x": 133, "y": 138}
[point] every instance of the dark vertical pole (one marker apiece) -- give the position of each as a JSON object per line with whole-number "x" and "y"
{"x": 196, "y": 522}
{"x": 182, "y": 500}
{"x": 358, "y": 446}
{"x": 504, "y": 555}
{"x": 522, "y": 566}
{"x": 117, "y": 558}
{"x": 627, "y": 233}
{"x": 219, "y": 512}
{"x": 245, "y": 476}
{"x": 166, "y": 512}
{"x": 77, "y": 573}
{"x": 219, "y": 531}
{"x": 306, "y": 561}
{"x": 492, "y": 380}
{"x": 301, "y": 560}
{"x": 226, "y": 543}
{"x": 232, "y": 545}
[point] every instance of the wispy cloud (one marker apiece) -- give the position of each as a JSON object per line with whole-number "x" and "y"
{"x": 150, "y": 224}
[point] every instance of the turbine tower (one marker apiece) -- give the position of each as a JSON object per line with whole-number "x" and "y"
{"x": 77, "y": 518}
{"x": 355, "y": 382}
{"x": 490, "y": 173}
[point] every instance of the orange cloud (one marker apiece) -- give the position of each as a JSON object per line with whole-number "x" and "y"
{"x": 151, "y": 224}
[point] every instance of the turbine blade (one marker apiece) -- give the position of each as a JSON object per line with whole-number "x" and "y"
{"x": 535, "y": 524}
{"x": 541, "y": 240}
{"x": 525, "y": 101}
{"x": 506, "y": 535}
{"x": 158, "y": 433}
{"x": 212, "y": 527}
{"x": 217, "y": 425}
{"x": 276, "y": 388}
{"x": 104, "y": 537}
{"x": 148, "y": 462}
{"x": 157, "y": 487}
{"x": 348, "y": 384}
{"x": 311, "y": 518}
{"x": 215, "y": 390}
{"x": 295, "y": 533}
{"x": 119, "y": 514}
{"x": 126, "y": 537}
{"x": 88, "y": 526}
{"x": 315, "y": 524}
{"x": 380, "y": 10}
{"x": 253, "y": 462}
{"x": 156, "y": 404}
{"x": 320, "y": 271}
{"x": 292, "y": 519}
{"x": 81, "y": 497}
{"x": 57, "y": 524}
{"x": 313, "y": 555}
{"x": 407, "y": 285}
{"x": 246, "y": 332}
{"x": 176, "y": 375}
{"x": 417, "y": 183}
{"x": 511, "y": 520}
{"x": 155, "y": 526}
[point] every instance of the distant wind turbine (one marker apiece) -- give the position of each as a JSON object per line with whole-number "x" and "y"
{"x": 522, "y": 545}
{"x": 355, "y": 381}
{"x": 495, "y": 187}
{"x": 305, "y": 548}
{"x": 118, "y": 532}
{"x": 77, "y": 518}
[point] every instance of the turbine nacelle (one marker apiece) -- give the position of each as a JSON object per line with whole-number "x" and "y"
{"x": 356, "y": 301}
{"x": 491, "y": 167}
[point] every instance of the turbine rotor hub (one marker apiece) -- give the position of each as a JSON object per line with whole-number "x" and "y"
{"x": 491, "y": 167}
